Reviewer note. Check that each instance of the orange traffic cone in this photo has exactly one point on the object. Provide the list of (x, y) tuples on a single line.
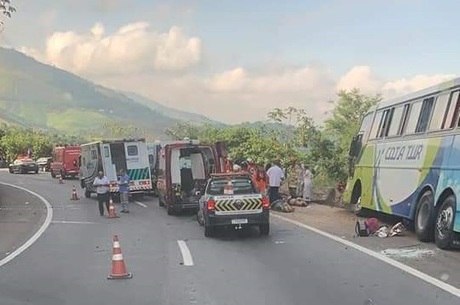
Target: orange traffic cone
[(112, 212), (74, 194), (118, 264)]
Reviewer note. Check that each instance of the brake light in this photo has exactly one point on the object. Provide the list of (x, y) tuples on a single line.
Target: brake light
[(265, 202), (211, 205)]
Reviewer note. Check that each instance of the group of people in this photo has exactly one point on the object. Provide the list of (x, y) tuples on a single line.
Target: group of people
[(102, 185), (268, 180)]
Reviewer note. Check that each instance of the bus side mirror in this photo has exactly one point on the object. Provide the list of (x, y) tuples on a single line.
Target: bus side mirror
[(355, 146)]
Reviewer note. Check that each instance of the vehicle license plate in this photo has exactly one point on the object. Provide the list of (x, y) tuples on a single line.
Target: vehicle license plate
[(239, 221)]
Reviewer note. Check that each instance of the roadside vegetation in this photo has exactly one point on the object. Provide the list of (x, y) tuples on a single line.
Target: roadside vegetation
[(290, 134)]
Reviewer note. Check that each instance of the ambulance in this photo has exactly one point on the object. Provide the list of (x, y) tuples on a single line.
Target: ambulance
[(183, 169), (112, 156)]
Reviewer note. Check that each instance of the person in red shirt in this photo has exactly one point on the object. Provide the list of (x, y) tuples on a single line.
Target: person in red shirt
[(260, 180)]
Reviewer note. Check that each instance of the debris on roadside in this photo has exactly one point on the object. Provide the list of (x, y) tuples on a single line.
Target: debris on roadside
[(372, 227), (282, 206), (396, 230), (408, 253), (300, 202)]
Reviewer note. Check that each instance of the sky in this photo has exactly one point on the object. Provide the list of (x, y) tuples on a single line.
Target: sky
[(235, 61)]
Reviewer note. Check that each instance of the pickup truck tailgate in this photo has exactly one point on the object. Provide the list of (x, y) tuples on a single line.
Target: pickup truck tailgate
[(238, 204)]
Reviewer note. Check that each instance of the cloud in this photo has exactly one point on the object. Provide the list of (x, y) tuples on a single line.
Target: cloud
[(132, 48), (406, 85), (368, 82), (240, 94), (360, 77), (136, 58), (228, 81)]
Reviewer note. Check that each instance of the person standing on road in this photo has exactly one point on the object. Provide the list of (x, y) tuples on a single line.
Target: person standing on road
[(123, 184), (102, 185), (307, 184), (275, 177)]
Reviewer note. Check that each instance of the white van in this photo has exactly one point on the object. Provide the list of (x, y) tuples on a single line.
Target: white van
[(112, 156)]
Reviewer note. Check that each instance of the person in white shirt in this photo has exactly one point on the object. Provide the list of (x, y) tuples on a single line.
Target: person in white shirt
[(102, 185), (307, 184), (275, 177)]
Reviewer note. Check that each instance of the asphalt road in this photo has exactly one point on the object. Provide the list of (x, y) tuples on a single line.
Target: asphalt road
[(69, 263)]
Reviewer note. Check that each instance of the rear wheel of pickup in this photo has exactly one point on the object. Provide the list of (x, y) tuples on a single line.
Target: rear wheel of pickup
[(170, 209), (208, 231), (53, 174), (264, 229)]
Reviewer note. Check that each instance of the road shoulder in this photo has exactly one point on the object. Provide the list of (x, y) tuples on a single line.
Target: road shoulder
[(22, 215), (424, 257)]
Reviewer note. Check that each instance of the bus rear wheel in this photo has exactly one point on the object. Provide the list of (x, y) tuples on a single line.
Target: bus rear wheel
[(444, 231), (425, 217)]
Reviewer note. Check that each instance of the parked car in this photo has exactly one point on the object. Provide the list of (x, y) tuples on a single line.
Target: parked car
[(44, 163), (23, 166)]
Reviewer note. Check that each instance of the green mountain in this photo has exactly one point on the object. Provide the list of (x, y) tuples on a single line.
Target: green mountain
[(33, 94)]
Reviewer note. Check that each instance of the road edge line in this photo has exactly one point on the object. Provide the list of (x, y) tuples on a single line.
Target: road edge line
[(412, 271), (38, 233), (141, 204), (186, 255)]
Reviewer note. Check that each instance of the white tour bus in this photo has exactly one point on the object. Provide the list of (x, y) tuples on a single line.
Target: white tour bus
[(405, 161)]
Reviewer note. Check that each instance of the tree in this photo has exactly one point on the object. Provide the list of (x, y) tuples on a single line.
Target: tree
[(6, 9), (347, 115), (184, 130), (17, 141)]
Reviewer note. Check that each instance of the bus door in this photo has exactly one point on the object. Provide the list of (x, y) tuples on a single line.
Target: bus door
[(353, 154)]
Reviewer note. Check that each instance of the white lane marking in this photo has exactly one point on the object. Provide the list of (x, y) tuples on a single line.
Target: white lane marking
[(73, 222), (40, 231), (186, 255), (414, 272), (141, 204)]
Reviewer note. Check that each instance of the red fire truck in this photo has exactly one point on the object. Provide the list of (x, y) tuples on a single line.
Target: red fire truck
[(65, 161)]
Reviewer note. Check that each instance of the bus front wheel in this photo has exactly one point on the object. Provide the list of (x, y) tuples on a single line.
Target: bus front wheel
[(444, 231), (425, 217)]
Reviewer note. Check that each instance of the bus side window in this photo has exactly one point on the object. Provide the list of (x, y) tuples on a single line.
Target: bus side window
[(396, 121), (455, 102), (404, 118), (376, 125), (386, 121), (449, 120), (413, 117), (439, 112), (425, 114)]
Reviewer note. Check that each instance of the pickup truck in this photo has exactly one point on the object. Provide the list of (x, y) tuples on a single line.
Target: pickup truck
[(231, 200)]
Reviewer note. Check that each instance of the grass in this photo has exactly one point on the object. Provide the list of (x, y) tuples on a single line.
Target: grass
[(75, 119)]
